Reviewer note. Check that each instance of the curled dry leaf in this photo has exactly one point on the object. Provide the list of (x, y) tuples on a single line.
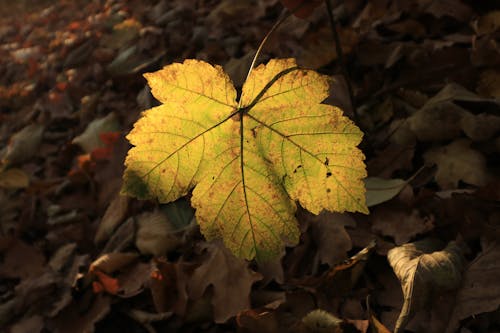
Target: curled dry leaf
[(423, 271), (155, 234)]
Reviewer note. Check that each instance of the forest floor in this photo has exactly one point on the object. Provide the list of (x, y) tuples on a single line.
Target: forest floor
[(76, 256)]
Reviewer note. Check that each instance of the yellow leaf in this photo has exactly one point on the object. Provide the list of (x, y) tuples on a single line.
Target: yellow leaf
[(248, 162)]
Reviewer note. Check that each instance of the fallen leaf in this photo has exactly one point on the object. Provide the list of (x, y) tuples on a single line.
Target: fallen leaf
[(89, 139), (422, 271), (249, 165), (330, 237), (23, 145), (60, 258), (400, 223), (480, 127), (111, 262), (444, 116), (34, 324), (21, 260), (301, 8), (84, 319), (114, 215), (488, 23), (479, 291), (105, 283), (458, 162), (133, 279), (155, 234), (320, 321), (489, 83), (379, 190), (13, 179), (231, 280)]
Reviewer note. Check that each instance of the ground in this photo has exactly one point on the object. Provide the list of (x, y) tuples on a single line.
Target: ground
[(77, 256)]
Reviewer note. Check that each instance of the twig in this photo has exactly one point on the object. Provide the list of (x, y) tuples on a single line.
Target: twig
[(284, 15), (340, 57)]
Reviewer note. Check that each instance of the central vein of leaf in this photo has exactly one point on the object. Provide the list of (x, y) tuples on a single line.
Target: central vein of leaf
[(242, 169)]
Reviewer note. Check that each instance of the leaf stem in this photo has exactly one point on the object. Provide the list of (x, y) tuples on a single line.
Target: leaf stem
[(340, 57), (283, 16)]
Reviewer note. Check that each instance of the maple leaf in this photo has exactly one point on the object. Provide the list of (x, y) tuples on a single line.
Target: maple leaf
[(249, 160)]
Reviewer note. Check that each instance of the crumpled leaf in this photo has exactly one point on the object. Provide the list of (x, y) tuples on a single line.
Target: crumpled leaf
[(380, 190), (230, 278), (422, 271), (250, 160)]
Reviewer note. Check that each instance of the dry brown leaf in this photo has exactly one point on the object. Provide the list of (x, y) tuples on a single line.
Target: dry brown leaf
[(133, 279), (111, 262), (21, 260), (480, 291), (422, 271), (452, 8), (391, 158), (13, 179), (32, 324), (437, 121), (23, 145), (488, 23), (330, 236), (90, 138), (73, 317), (480, 127), (458, 162), (61, 257), (114, 215), (400, 223), (231, 280), (489, 83)]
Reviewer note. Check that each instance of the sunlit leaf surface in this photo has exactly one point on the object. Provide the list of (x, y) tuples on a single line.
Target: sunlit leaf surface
[(248, 161)]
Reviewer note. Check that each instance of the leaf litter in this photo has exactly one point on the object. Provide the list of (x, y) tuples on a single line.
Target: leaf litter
[(425, 78)]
